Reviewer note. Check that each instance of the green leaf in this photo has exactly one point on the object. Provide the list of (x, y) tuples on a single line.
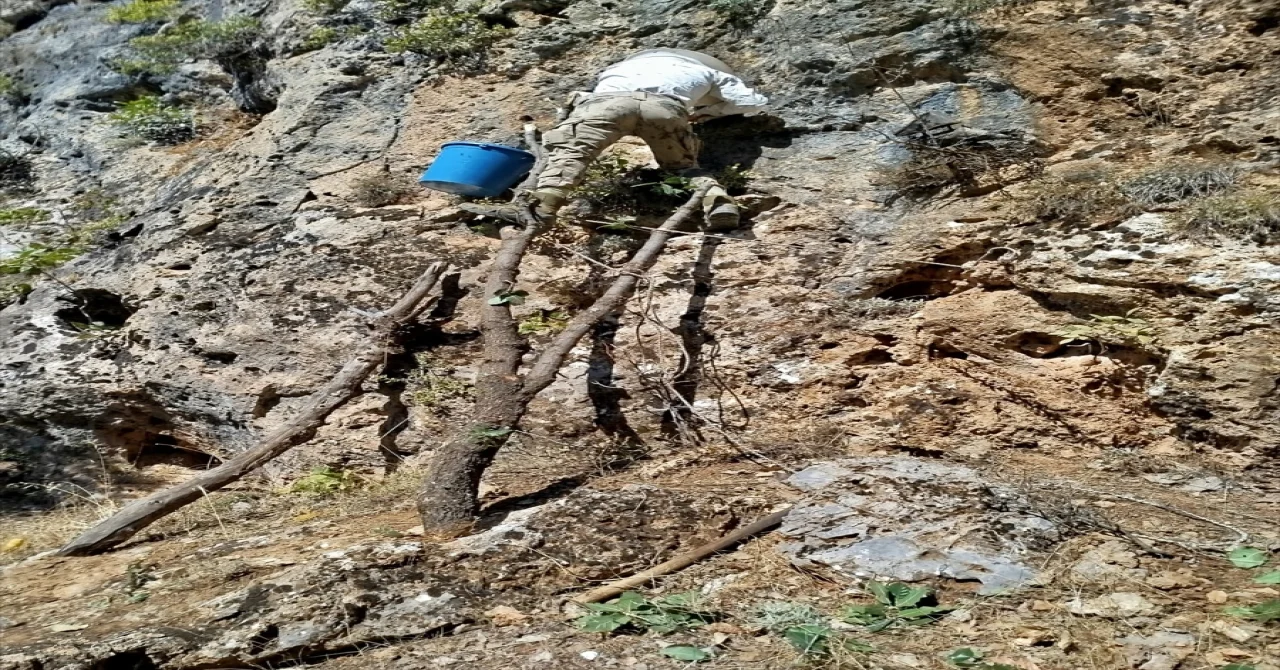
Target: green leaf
[(964, 657), (905, 595), (684, 600), (630, 601), (1272, 577), (881, 625), (682, 652), (601, 623), (1247, 557), (881, 591), (1267, 611), (809, 638), (928, 612), (864, 615), (493, 432), (1238, 666)]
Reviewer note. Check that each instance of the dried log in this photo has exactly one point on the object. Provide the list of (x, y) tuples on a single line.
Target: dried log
[(345, 385), (613, 589), (447, 501)]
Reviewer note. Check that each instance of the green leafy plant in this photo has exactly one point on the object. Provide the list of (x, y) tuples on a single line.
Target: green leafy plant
[(428, 389), (667, 614), (1238, 666), (1245, 216), (163, 52), (895, 603), (22, 216), (446, 36), (150, 119), (545, 321), (806, 630), (12, 293), (10, 89), (1248, 557), (325, 481), (972, 659), (1126, 330), (142, 11), (673, 186), (735, 179), (322, 36), (1265, 612), (37, 257)]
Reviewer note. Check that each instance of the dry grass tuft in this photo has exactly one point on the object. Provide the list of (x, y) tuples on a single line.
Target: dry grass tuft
[(382, 189), (1175, 183), (1075, 197), (1241, 216)]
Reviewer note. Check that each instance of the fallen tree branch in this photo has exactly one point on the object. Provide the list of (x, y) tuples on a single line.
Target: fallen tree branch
[(682, 561), (141, 513), (448, 500)]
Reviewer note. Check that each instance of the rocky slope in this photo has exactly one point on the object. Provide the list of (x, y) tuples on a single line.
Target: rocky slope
[(1016, 287)]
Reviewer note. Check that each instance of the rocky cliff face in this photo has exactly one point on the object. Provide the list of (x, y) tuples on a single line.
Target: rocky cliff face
[(1017, 234)]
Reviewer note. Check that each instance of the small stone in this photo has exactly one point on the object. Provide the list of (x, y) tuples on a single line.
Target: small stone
[(1114, 605), (543, 656), (590, 655), (1043, 606), (1216, 597), (1169, 580), (909, 660), (505, 616), (1033, 637), (1231, 632), (723, 627)]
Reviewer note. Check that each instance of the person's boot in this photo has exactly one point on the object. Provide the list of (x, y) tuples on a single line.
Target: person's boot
[(547, 201), (722, 217)]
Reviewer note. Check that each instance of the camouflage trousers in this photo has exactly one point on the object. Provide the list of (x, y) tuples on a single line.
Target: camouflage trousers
[(604, 118)]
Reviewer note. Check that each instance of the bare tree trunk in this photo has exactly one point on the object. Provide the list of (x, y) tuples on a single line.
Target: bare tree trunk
[(448, 500), (346, 384)]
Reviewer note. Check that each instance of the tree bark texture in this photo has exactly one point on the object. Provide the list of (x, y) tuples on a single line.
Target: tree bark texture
[(448, 500), (141, 513)]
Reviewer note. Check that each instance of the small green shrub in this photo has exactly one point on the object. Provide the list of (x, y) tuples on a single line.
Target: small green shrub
[(1244, 216), (971, 659), (326, 481), (22, 215), (11, 293), (1127, 330), (10, 89), (446, 36), (668, 614), (807, 630), (162, 52), (37, 257), (545, 321), (896, 603), (1174, 183), (320, 37), (142, 11), (150, 119), (740, 13)]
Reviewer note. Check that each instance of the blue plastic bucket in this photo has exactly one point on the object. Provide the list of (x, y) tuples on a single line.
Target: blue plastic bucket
[(477, 170)]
